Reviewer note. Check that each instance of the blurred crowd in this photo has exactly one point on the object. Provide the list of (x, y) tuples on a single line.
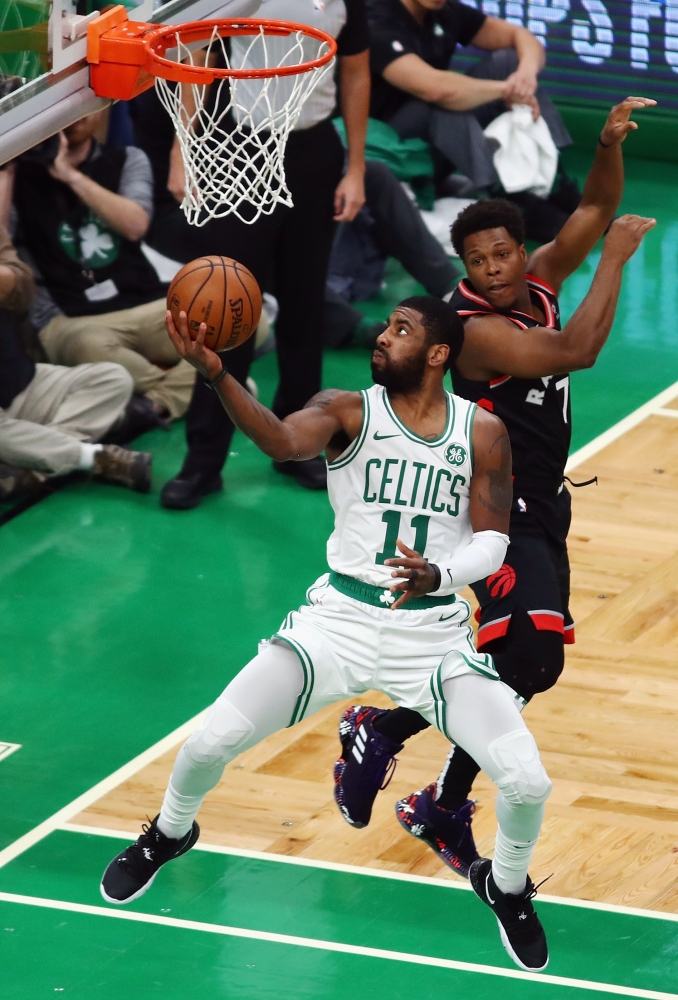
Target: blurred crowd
[(91, 232)]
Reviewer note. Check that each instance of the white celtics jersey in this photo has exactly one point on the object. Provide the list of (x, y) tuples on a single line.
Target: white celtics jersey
[(391, 484)]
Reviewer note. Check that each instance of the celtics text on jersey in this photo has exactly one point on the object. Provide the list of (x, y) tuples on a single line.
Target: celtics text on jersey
[(391, 484)]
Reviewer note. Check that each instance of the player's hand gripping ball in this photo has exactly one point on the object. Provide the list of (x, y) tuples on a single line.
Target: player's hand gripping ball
[(222, 294)]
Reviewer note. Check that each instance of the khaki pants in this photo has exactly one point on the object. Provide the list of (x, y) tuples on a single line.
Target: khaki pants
[(134, 338), (60, 407)]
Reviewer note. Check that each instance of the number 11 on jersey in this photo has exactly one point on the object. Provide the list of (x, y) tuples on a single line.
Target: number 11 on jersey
[(391, 518)]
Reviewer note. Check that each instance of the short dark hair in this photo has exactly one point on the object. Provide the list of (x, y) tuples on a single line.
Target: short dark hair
[(492, 214), (441, 322)]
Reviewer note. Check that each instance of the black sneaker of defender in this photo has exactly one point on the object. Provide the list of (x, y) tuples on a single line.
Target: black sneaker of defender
[(521, 931), (131, 873)]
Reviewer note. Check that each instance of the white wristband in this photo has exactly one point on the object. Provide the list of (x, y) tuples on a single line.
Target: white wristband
[(482, 557)]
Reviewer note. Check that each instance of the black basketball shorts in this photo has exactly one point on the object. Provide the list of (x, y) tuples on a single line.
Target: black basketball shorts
[(535, 574)]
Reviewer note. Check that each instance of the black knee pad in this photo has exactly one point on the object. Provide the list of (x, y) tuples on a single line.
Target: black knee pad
[(528, 659)]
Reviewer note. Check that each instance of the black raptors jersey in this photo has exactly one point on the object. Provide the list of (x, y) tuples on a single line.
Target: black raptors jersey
[(536, 411)]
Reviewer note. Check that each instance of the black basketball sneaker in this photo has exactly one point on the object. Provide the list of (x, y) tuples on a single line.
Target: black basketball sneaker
[(131, 873), (519, 926)]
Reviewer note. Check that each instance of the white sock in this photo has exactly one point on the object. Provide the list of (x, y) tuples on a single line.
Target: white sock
[(177, 813), (87, 453), (511, 861)]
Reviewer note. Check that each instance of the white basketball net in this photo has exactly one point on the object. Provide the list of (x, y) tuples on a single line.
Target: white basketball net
[(233, 143)]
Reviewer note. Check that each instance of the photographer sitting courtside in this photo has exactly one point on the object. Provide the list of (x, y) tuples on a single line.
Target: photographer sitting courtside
[(82, 211)]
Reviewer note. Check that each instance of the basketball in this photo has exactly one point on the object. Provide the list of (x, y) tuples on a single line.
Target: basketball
[(222, 294)]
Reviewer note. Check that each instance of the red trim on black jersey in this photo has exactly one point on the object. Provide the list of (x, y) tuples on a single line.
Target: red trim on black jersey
[(468, 294), (492, 630), (494, 382), (540, 287), (544, 285), (568, 635), (547, 621)]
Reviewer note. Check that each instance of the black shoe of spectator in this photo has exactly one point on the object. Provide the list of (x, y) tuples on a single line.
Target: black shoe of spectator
[(123, 467), (185, 492), (16, 482), (543, 219), (140, 416), (311, 473), (566, 194), (456, 186)]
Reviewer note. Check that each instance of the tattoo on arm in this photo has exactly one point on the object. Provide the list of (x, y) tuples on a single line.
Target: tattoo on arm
[(323, 398), (499, 479)]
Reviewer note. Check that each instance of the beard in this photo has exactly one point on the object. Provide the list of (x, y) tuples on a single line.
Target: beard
[(404, 378)]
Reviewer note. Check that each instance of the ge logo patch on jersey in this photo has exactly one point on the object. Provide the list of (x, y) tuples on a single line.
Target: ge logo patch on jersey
[(455, 455)]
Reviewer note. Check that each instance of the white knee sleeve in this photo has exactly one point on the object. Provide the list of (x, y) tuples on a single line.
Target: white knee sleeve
[(524, 780), (224, 730)]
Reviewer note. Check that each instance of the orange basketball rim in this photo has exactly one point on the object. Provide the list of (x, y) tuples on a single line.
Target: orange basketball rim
[(126, 56)]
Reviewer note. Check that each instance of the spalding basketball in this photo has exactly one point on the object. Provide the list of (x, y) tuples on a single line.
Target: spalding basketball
[(222, 294)]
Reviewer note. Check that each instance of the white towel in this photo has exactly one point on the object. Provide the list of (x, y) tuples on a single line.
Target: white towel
[(527, 158)]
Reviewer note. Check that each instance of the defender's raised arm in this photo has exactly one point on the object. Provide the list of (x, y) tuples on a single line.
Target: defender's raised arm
[(603, 191)]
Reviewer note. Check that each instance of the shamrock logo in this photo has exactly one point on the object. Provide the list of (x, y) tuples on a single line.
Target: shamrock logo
[(93, 245), (387, 597)]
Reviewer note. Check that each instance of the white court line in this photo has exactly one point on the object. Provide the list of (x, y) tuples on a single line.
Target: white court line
[(101, 788), (336, 866), (619, 429), (320, 945)]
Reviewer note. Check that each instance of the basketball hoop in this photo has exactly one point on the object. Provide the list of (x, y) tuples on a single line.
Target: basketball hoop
[(232, 119)]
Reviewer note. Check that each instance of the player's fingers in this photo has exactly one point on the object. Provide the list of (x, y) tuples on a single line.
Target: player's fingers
[(182, 326), (200, 339), (411, 553), (407, 596), (644, 102)]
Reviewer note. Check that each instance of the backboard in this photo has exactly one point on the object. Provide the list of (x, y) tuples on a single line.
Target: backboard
[(43, 47)]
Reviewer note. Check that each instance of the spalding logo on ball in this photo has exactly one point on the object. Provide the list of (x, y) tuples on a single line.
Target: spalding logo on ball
[(221, 293)]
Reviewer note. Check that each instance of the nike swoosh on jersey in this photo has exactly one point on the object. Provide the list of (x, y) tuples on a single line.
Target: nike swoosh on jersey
[(384, 437), (446, 618)]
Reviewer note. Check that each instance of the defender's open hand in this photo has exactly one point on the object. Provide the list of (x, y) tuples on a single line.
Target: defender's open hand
[(419, 577), (205, 361), (619, 124)]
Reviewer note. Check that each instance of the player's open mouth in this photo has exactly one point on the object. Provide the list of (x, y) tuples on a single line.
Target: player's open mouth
[(499, 287)]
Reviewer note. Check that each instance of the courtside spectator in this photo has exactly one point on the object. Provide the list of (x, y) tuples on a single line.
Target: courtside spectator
[(412, 43), (389, 225), (82, 211), (50, 416)]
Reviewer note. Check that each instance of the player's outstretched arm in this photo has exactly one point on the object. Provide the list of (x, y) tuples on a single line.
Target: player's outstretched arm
[(603, 190), (491, 496), (331, 417), (539, 352)]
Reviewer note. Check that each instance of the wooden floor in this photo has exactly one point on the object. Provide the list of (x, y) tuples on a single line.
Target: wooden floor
[(607, 732)]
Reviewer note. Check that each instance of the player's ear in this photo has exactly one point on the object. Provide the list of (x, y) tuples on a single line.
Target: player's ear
[(523, 253), (438, 355)]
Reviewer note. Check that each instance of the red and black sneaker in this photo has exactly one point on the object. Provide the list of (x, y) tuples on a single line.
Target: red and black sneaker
[(446, 832), (366, 764)]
